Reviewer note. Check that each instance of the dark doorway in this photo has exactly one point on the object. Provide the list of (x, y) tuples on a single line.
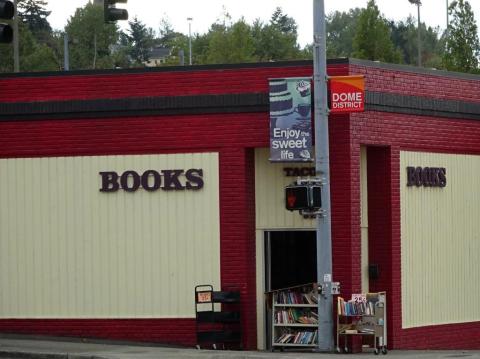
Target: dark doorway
[(291, 258)]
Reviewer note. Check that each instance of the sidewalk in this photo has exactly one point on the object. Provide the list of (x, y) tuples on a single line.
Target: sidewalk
[(63, 349)]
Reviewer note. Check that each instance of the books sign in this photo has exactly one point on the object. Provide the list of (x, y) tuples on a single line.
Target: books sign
[(347, 94), (290, 120)]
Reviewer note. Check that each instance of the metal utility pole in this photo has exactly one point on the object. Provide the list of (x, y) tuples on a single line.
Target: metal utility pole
[(181, 57), (190, 40), (419, 37), (446, 32), (66, 57), (322, 170), (418, 3), (16, 52)]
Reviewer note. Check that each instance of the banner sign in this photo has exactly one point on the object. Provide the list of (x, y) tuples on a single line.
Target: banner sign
[(290, 120), (347, 94)]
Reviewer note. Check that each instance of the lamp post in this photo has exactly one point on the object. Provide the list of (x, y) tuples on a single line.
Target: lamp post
[(418, 3), (446, 32), (16, 46), (190, 40)]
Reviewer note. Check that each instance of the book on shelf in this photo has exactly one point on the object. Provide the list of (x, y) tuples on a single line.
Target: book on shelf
[(295, 297), (295, 315), (300, 337), (355, 308)]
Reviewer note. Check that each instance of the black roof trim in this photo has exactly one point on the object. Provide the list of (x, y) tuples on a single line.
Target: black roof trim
[(169, 69), (352, 61), (422, 106), (223, 103), (137, 106)]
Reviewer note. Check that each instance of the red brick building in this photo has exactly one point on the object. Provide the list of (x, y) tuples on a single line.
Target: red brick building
[(73, 266)]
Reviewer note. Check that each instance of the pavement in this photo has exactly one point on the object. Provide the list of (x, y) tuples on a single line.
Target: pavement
[(61, 348)]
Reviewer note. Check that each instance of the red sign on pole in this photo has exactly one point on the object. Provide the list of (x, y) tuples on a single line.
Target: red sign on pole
[(347, 94)]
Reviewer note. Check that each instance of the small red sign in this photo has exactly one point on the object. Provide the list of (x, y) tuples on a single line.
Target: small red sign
[(347, 94), (204, 297)]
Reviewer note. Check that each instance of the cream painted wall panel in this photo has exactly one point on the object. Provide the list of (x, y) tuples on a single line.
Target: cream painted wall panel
[(364, 218), (270, 182), (440, 231), (70, 251)]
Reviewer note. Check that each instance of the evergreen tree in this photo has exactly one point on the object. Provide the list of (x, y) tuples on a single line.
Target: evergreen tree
[(372, 39), (405, 37), (463, 46), (34, 15), (173, 40), (141, 41), (167, 33)]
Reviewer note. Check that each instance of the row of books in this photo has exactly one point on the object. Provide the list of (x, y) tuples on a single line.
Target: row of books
[(290, 297), (297, 338), (355, 308), (292, 316)]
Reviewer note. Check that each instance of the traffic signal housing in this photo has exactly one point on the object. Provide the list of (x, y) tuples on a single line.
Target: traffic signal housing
[(6, 13), (111, 13), (303, 197)]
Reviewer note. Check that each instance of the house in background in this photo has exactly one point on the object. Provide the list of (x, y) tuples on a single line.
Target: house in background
[(158, 56)]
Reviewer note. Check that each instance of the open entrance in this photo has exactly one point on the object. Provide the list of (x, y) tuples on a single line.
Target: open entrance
[(290, 260)]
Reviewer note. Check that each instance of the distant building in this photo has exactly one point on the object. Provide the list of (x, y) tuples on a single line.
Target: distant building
[(158, 56)]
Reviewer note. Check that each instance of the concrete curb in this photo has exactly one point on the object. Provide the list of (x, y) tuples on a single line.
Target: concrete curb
[(32, 355), (18, 354)]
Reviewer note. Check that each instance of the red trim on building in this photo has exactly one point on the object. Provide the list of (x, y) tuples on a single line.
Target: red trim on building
[(167, 331)]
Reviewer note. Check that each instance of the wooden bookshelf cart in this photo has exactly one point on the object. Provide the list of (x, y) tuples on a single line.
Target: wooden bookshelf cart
[(295, 317), (363, 315), (219, 329)]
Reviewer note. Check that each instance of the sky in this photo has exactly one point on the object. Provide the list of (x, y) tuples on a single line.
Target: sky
[(205, 13)]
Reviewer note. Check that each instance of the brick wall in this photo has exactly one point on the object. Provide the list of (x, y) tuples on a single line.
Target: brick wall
[(395, 133), (235, 136), (428, 84)]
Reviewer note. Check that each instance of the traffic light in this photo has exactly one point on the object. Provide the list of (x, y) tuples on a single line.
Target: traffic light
[(303, 197), (111, 13), (6, 12), (296, 197)]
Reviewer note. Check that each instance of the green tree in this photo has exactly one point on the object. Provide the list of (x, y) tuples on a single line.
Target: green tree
[(92, 41), (341, 28), (404, 35), (33, 56), (34, 14), (167, 33), (463, 46), (372, 39), (230, 44), (140, 41), (276, 40)]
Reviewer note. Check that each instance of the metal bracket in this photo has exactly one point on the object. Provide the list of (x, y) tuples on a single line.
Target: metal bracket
[(313, 181), (312, 214)]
